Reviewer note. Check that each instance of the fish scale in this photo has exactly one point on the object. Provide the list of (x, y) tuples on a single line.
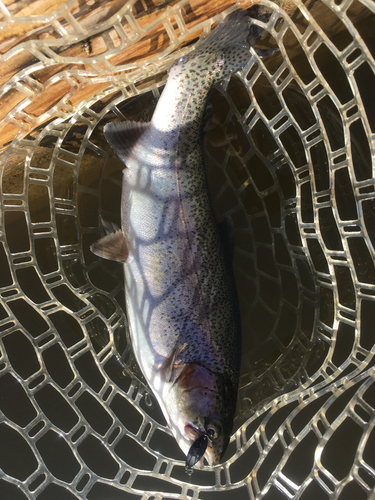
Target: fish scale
[(180, 292)]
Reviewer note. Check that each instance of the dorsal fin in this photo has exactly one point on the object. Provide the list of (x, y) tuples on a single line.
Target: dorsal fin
[(122, 136)]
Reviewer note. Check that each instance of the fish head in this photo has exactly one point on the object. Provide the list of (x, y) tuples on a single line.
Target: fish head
[(202, 403), (203, 416)]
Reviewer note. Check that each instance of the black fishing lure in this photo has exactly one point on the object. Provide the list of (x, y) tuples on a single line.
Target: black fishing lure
[(196, 452)]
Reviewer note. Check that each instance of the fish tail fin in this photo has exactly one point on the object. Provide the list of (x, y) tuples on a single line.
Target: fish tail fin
[(233, 38)]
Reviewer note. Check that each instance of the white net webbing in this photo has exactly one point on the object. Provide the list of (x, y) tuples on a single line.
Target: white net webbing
[(290, 157)]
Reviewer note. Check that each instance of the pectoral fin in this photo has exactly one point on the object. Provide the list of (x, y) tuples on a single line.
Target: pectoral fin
[(168, 365), (112, 247), (109, 226)]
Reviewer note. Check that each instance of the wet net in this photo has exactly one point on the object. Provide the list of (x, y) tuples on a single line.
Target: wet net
[(289, 158)]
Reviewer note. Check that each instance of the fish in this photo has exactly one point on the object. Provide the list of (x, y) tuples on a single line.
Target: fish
[(181, 297)]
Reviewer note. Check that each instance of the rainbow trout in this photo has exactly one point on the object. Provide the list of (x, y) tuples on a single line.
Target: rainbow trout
[(180, 292)]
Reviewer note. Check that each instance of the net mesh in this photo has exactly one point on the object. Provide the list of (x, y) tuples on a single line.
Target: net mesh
[(289, 158)]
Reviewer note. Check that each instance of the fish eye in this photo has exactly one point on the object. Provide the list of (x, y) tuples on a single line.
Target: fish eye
[(213, 431)]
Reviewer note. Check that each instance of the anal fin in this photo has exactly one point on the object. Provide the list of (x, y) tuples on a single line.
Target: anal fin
[(113, 246)]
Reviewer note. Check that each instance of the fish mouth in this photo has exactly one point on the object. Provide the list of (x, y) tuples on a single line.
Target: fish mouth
[(192, 433)]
